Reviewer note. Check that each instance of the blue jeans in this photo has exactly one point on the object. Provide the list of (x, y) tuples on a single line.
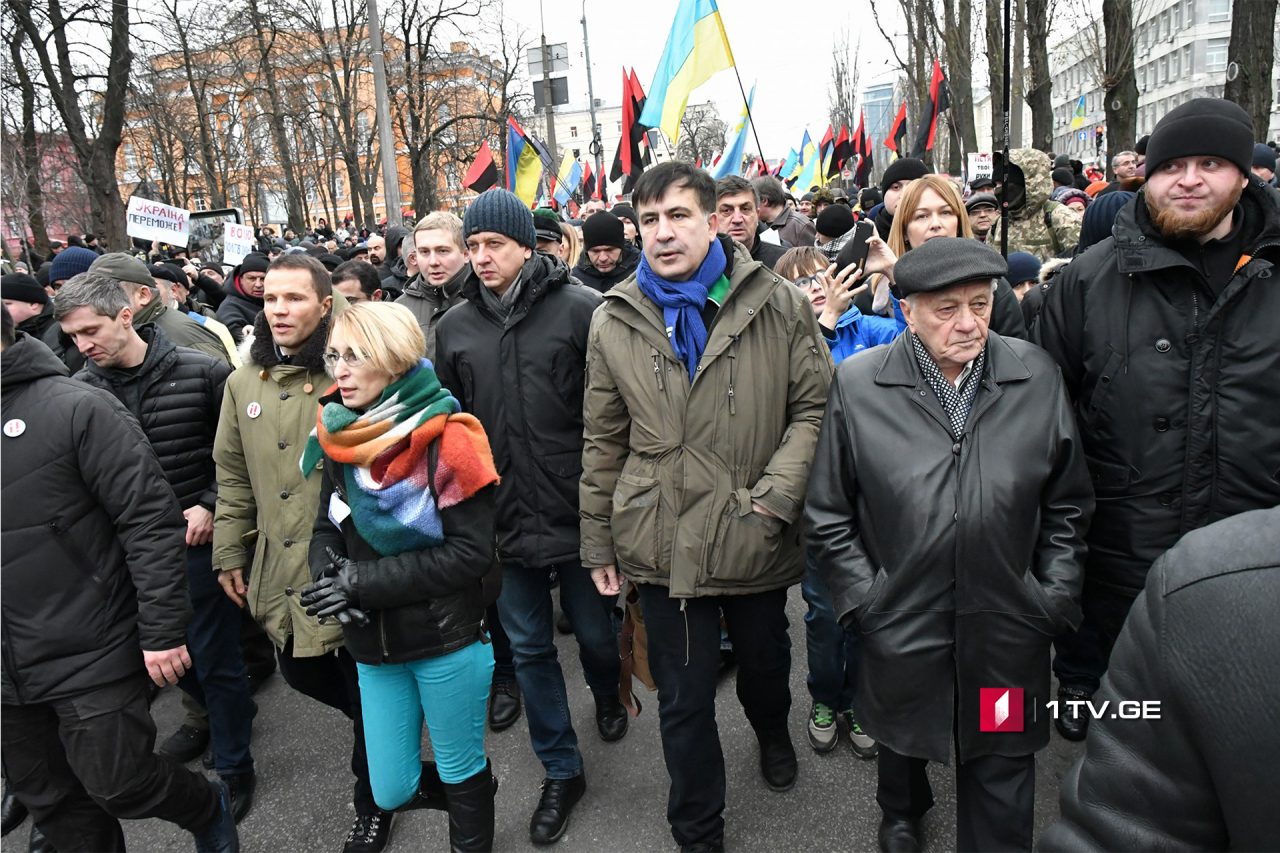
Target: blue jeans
[(451, 693), (219, 682), (528, 615), (833, 651)]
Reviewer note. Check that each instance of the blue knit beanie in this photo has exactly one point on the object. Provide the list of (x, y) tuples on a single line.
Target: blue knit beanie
[(70, 262), (500, 212), (1023, 266), (1099, 216)]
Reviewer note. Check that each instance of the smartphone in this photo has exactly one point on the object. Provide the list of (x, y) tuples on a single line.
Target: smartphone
[(855, 250)]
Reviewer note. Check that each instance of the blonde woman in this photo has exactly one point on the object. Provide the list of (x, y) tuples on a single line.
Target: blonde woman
[(403, 536), (571, 245)]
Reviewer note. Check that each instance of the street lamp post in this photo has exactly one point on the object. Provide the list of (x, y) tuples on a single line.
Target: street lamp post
[(390, 172)]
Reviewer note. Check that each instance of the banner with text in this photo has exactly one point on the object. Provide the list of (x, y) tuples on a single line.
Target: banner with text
[(151, 220), (980, 165), (237, 241)]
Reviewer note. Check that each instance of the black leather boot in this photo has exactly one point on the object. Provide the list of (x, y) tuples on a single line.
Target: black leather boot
[(12, 812), (471, 812), (431, 790)]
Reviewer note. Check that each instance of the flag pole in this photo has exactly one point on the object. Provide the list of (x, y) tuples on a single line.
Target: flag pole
[(1004, 164), (746, 103)]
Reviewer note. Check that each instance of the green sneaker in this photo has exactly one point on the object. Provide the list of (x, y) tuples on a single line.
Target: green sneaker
[(863, 745), (824, 734)]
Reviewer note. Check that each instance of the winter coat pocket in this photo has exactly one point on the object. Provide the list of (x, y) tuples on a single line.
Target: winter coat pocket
[(745, 540), (636, 522)]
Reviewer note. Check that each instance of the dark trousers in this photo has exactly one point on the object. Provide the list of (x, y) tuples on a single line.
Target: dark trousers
[(995, 797), (81, 763), (218, 682), (504, 664), (331, 679), (684, 656), (1081, 656), (259, 656)]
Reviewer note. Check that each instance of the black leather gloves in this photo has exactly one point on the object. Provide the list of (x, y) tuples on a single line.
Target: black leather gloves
[(335, 593)]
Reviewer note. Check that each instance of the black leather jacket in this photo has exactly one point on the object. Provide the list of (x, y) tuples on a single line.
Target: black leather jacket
[(421, 603)]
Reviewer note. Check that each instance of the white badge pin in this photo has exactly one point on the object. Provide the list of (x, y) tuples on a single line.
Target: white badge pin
[(253, 409), (15, 427)]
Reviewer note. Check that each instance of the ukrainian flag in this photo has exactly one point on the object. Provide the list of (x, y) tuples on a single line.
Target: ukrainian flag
[(1077, 120), (731, 161), (810, 173), (568, 178), (696, 49), (524, 166)]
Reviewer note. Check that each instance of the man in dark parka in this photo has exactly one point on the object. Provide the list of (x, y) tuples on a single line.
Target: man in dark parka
[(947, 510)]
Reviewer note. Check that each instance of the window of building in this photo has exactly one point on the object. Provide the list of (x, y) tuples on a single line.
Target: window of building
[(1164, 69), (362, 125), (1186, 61), (619, 127), (1175, 64), (1215, 54), (130, 157), (199, 201), (1218, 10), (573, 131)]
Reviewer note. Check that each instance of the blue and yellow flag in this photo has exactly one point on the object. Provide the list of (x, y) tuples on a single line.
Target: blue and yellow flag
[(731, 160), (1077, 120), (812, 170), (568, 178), (696, 49), (524, 165)]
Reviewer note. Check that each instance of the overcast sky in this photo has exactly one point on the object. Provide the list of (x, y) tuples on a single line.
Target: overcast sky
[(785, 49)]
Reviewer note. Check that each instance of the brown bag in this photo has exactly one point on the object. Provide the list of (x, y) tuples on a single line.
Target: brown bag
[(633, 650)]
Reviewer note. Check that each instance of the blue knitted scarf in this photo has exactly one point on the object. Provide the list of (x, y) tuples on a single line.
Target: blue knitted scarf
[(681, 303)]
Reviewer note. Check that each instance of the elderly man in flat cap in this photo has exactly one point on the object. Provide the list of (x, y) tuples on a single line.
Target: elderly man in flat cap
[(947, 510)]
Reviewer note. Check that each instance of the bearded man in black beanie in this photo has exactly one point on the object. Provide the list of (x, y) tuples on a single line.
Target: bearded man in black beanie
[(1165, 333)]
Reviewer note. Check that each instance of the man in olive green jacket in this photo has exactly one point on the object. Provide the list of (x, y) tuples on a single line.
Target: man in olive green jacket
[(266, 507), (707, 377)]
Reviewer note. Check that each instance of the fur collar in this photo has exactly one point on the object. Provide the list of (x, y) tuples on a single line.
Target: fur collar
[(260, 350)]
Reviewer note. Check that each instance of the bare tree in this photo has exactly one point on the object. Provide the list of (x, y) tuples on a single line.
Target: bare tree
[(955, 29), (94, 134), (265, 34), (28, 145), (1250, 55), (918, 14), (702, 134), (1039, 89), (842, 92), (995, 69), (1119, 83)]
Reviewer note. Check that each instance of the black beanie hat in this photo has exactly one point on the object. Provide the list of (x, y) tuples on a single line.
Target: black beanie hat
[(1064, 176), (500, 212), (1264, 156), (626, 210), (602, 229), (254, 262), (21, 287), (906, 169), (1202, 127), (834, 221)]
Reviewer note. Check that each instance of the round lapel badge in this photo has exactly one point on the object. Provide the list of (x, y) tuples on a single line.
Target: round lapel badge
[(253, 409), (15, 427)]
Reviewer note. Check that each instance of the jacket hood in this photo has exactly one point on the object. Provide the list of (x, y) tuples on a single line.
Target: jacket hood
[(627, 263), (541, 274), (395, 236), (1140, 242), (159, 351), (1037, 176), (28, 359)]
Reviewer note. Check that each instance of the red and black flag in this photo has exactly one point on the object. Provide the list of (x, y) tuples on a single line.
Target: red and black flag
[(840, 155), (629, 160), (862, 147), (939, 100), (898, 132), (483, 172), (825, 147), (589, 189)]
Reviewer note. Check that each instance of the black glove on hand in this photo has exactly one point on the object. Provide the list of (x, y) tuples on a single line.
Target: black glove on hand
[(335, 591)]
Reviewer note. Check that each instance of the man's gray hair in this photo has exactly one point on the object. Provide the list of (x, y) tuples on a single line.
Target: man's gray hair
[(770, 191), (93, 290), (1119, 154), (911, 297)]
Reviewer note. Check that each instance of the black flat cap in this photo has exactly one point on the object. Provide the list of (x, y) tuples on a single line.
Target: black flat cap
[(980, 199), (944, 262)]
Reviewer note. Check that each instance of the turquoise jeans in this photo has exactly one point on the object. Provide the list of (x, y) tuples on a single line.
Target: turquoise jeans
[(451, 693)]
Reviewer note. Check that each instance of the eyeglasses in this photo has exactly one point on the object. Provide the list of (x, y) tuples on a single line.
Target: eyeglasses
[(331, 359), (807, 281)]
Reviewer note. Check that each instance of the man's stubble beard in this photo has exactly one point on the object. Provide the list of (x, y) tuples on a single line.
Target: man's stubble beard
[(1181, 226)]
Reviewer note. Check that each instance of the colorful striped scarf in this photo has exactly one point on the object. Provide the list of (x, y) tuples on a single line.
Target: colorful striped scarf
[(383, 451)]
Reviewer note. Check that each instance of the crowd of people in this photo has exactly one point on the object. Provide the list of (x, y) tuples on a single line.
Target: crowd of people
[(376, 461)]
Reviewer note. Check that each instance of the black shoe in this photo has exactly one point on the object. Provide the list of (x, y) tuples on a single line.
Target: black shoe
[(369, 833), (563, 625), (777, 759), (219, 836), (611, 718), (703, 847), (551, 818), (898, 836), (471, 812), (38, 843), (504, 704), (1072, 722), (12, 813), (186, 744), (431, 790), (241, 787)]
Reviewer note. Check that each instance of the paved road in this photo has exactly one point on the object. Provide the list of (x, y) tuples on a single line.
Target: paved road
[(303, 802)]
